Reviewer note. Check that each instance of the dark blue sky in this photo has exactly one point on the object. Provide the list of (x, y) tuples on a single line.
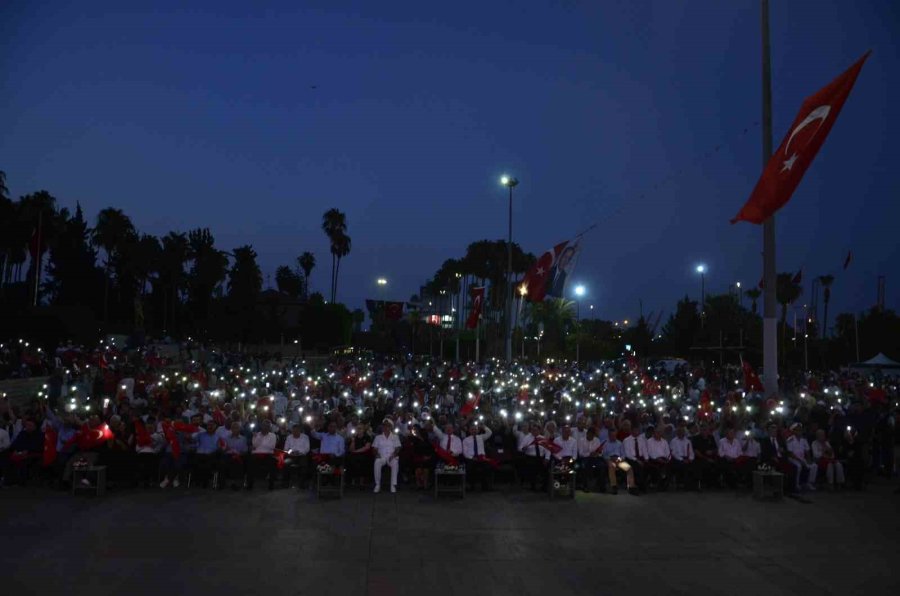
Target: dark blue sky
[(605, 111)]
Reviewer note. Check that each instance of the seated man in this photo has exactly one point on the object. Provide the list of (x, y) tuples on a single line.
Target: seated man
[(568, 445), (236, 454), (589, 461), (799, 455), (750, 458), (682, 463), (332, 444), (25, 453), (387, 451), (263, 458), (206, 458), (447, 440), (473, 452), (635, 448), (614, 455), (296, 458), (707, 453), (535, 458), (823, 455), (730, 453), (658, 457), (773, 453)]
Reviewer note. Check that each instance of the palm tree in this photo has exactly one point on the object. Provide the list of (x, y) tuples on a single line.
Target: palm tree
[(112, 231), (340, 248), (334, 224), (786, 292), (826, 281), (307, 262), (175, 253), (753, 294)]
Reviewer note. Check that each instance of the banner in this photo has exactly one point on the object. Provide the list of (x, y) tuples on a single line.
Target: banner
[(550, 275)]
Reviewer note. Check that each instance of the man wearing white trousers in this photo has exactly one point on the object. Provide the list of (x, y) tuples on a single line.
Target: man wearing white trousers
[(800, 455), (387, 452)]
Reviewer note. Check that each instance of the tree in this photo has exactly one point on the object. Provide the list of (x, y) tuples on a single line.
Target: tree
[(172, 279), (288, 281), (359, 318), (112, 231), (826, 281), (73, 276), (207, 272), (681, 329), (334, 224), (786, 292), (556, 316), (307, 262), (340, 248), (244, 286), (753, 294)]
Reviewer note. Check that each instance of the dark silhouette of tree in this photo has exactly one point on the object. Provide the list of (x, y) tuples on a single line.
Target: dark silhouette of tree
[(340, 248), (753, 294), (73, 275), (244, 286), (307, 262), (334, 224), (681, 329), (172, 280), (112, 231), (208, 268), (288, 281)]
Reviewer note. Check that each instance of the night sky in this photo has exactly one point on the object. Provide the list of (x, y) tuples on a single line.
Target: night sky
[(404, 115)]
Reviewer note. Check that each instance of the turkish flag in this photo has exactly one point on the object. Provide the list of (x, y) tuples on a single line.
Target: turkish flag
[(798, 277), (141, 435), (798, 149), (50, 438), (470, 405), (535, 280), (751, 379), (548, 445), (477, 301)]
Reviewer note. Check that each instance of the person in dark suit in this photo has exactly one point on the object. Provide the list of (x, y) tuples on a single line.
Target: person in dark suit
[(773, 451)]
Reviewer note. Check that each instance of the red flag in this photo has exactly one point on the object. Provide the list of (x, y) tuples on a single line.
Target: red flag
[(470, 405), (547, 277), (142, 437), (172, 439), (477, 300), (548, 445), (751, 379), (762, 282), (279, 458), (798, 149), (847, 260), (50, 437), (798, 277), (445, 455)]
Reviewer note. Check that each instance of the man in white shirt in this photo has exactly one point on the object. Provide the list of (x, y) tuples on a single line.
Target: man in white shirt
[(387, 452), (447, 440), (682, 464), (590, 463), (635, 455), (658, 456), (263, 454), (799, 455), (568, 445), (296, 457), (473, 452), (534, 460), (730, 453)]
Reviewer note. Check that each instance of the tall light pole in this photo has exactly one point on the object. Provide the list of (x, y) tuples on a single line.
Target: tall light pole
[(510, 183), (579, 294), (770, 323)]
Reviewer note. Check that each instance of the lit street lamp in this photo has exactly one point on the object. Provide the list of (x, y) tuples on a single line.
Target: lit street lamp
[(510, 183), (381, 281), (701, 269)]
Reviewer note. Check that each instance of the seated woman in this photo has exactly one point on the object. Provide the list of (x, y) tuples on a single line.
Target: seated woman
[(422, 456)]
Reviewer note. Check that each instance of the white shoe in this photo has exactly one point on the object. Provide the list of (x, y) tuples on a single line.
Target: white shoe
[(377, 489), (175, 483), (811, 487), (85, 482), (393, 488), (164, 483)]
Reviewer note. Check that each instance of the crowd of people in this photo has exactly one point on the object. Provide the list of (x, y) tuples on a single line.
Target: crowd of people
[(228, 421)]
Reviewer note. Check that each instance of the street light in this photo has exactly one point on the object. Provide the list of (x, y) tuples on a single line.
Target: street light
[(579, 293), (509, 183), (381, 281)]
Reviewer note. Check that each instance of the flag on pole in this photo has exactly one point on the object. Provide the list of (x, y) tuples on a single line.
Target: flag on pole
[(847, 260), (785, 169), (550, 275), (798, 277), (477, 302)]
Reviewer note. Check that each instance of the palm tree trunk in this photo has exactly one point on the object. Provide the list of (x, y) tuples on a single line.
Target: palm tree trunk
[(332, 276), (825, 319), (106, 297), (337, 271)]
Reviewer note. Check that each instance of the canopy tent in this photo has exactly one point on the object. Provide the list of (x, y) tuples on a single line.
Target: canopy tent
[(879, 362)]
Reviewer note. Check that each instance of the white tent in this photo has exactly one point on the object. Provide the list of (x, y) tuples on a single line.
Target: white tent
[(880, 362)]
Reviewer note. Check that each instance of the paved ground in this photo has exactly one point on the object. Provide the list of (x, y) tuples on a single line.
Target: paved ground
[(197, 542)]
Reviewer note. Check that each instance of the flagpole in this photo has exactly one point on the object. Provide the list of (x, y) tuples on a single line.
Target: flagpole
[(770, 322)]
